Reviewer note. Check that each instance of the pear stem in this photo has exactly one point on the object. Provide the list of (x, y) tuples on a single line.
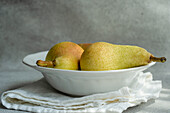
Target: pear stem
[(45, 63), (155, 59)]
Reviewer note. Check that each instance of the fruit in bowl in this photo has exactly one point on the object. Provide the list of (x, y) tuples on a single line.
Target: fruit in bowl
[(98, 56), (64, 55), (95, 70), (105, 56)]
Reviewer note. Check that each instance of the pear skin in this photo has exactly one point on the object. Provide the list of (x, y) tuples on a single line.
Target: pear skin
[(85, 45), (106, 56), (64, 55), (66, 62), (64, 48)]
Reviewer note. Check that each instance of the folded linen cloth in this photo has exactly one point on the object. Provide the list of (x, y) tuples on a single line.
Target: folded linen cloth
[(42, 98)]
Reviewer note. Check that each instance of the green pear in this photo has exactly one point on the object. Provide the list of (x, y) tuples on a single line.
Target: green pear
[(66, 62), (106, 56), (64, 55)]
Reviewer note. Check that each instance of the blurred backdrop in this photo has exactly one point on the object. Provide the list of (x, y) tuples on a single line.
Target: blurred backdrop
[(29, 26)]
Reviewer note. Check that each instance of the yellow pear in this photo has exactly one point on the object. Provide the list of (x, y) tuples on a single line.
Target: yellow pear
[(64, 55), (106, 56)]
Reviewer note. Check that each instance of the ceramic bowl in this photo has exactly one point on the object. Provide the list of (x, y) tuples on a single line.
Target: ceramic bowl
[(76, 82)]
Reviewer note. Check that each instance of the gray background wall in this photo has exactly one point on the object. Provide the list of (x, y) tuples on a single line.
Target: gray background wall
[(29, 26)]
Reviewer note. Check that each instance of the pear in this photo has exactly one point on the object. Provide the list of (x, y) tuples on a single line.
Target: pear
[(84, 45), (64, 55), (62, 62), (106, 56)]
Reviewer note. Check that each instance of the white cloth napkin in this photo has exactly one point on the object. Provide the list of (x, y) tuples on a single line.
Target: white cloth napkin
[(41, 97)]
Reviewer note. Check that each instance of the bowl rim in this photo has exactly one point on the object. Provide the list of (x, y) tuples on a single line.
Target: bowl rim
[(25, 61)]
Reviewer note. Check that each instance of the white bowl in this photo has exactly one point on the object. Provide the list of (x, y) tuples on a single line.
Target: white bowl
[(76, 82)]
